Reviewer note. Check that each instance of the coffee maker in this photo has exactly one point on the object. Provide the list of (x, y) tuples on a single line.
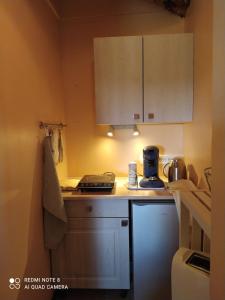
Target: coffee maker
[(151, 178)]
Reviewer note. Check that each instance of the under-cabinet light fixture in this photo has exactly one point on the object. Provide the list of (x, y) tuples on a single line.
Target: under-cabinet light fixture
[(136, 132), (111, 129)]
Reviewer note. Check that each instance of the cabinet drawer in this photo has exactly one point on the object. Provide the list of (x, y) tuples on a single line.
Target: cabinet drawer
[(99, 208)]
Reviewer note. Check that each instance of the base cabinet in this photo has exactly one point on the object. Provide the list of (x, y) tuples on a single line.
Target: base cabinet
[(94, 254)]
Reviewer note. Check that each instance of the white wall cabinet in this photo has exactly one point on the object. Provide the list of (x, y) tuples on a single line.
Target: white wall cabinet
[(144, 79), (168, 78), (95, 250), (118, 80)]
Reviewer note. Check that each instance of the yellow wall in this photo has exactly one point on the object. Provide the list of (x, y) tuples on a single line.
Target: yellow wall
[(218, 154), (89, 151), (198, 134), (206, 134), (30, 91)]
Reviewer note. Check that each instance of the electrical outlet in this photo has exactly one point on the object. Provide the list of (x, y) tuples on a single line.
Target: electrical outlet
[(165, 159)]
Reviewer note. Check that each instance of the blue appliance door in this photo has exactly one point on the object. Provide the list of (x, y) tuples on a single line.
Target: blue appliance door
[(155, 240)]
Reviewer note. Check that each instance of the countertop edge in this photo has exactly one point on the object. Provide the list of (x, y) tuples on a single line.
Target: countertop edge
[(117, 197)]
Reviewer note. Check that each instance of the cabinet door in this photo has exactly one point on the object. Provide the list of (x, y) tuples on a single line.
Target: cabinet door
[(168, 78), (118, 80), (94, 254)]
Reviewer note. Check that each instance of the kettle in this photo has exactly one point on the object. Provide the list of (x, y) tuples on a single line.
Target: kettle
[(177, 169)]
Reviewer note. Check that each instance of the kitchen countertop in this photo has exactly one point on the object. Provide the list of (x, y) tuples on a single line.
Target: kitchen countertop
[(120, 191)]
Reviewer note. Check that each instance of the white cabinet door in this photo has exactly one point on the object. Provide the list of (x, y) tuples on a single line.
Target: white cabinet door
[(168, 78), (94, 254), (118, 80)]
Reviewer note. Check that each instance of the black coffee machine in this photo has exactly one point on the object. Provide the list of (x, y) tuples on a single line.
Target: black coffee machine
[(150, 165)]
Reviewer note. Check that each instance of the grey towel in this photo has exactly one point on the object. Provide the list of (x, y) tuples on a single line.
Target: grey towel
[(55, 220), (56, 145), (60, 146)]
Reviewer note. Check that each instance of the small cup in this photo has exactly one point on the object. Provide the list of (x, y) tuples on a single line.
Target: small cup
[(132, 177)]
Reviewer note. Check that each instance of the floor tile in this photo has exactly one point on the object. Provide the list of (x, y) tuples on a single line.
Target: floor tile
[(76, 294)]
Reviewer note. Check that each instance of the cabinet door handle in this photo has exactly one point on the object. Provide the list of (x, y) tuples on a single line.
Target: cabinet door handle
[(89, 208), (136, 116), (124, 223), (151, 116)]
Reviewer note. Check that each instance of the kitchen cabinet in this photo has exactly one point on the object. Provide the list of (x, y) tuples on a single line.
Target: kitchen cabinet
[(118, 80), (168, 78), (95, 250), (145, 79)]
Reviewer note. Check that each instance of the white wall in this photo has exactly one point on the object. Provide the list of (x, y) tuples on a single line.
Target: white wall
[(30, 91), (89, 150), (198, 134), (218, 204)]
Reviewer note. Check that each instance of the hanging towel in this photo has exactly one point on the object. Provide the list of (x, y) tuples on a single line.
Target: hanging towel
[(60, 146), (57, 145), (55, 220)]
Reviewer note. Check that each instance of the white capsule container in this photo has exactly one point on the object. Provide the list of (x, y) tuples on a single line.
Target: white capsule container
[(132, 173)]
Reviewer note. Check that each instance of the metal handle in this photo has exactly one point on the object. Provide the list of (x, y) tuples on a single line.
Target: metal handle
[(89, 208), (151, 116), (152, 202), (136, 116), (124, 223)]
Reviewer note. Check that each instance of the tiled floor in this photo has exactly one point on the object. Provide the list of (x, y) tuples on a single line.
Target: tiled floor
[(74, 294)]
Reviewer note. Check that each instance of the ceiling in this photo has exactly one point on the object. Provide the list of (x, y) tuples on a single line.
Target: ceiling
[(90, 8), (67, 9)]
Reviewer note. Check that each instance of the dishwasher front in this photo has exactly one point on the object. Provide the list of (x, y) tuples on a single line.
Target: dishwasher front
[(155, 239)]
